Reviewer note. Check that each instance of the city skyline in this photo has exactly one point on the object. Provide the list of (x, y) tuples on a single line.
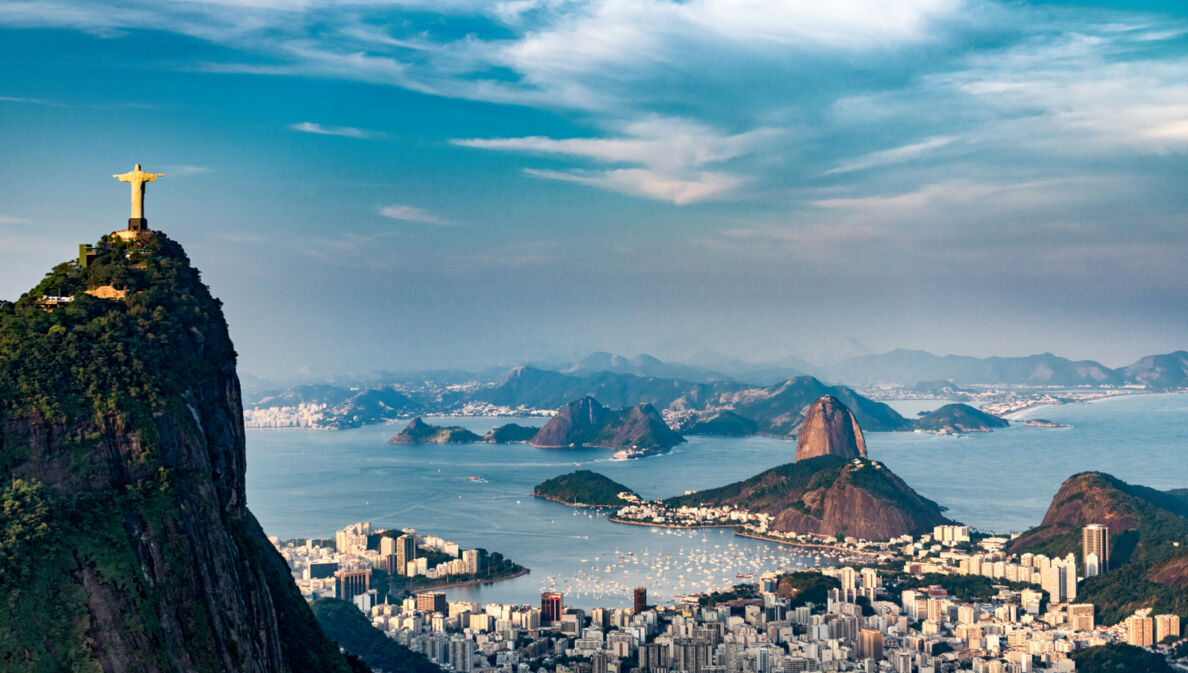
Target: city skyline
[(406, 186)]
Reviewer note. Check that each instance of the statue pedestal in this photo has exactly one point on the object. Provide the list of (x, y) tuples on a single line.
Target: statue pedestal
[(137, 224)]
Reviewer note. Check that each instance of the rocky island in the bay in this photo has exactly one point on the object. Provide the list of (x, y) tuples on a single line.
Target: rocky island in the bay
[(959, 418), (633, 432), (420, 432), (585, 488)]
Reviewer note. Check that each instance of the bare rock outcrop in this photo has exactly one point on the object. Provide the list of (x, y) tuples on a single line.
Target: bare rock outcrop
[(829, 429)]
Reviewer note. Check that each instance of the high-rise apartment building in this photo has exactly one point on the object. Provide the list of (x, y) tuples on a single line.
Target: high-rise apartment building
[(1095, 541), (432, 601), (1140, 631), (351, 583), (406, 552), (1166, 625), (470, 557), (551, 606), (353, 537), (870, 644), (1080, 616), (640, 602)]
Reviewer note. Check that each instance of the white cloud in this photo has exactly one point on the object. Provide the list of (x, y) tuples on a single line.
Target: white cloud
[(894, 155), (7, 219), (691, 188), (413, 214), (182, 170), (343, 131), (669, 157), (29, 101)]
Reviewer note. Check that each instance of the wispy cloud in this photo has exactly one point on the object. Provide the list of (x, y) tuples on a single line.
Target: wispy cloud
[(666, 158), (183, 170), (8, 219), (894, 155), (30, 101), (343, 131), (406, 213)]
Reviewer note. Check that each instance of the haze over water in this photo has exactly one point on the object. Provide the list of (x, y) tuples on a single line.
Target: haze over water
[(308, 484)]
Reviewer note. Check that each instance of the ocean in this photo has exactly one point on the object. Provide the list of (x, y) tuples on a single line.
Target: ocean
[(304, 483)]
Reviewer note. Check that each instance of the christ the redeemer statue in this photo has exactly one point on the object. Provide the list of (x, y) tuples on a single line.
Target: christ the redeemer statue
[(138, 177)]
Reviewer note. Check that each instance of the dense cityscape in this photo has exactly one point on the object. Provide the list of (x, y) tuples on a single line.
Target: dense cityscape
[(839, 618)]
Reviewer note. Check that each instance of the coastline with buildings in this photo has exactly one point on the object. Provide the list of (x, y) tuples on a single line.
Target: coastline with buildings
[(913, 612), (370, 564)]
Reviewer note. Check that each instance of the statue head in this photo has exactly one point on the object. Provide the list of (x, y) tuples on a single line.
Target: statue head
[(137, 166)]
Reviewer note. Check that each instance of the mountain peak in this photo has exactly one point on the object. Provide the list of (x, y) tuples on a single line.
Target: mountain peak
[(829, 429)]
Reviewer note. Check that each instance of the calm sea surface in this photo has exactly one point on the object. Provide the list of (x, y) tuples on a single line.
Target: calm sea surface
[(308, 484)]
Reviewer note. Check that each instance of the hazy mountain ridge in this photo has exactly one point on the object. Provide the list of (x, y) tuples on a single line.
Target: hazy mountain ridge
[(688, 394)]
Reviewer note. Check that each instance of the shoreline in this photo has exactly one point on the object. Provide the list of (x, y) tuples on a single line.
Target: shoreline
[(1017, 414), (466, 583), (840, 551), (578, 505), (670, 525)]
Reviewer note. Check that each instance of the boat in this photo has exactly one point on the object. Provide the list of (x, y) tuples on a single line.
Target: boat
[(476, 478)]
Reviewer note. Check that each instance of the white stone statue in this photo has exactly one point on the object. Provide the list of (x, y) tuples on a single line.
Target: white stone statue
[(138, 177)]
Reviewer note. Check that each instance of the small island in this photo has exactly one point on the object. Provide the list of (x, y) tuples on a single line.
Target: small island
[(1043, 423), (511, 433), (959, 418), (585, 488), (420, 432)]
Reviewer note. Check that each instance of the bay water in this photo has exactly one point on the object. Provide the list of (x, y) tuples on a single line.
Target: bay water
[(303, 483)]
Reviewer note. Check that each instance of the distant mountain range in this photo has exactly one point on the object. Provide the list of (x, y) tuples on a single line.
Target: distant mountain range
[(901, 367), (772, 396)]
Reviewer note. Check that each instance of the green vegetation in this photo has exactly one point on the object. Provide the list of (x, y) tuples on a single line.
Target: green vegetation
[(1119, 658), (584, 488), (343, 622), (511, 432), (1147, 569), (959, 418), (965, 588), (722, 424), (802, 588), (420, 432), (117, 362), (101, 403), (717, 597), (1119, 592), (807, 485)]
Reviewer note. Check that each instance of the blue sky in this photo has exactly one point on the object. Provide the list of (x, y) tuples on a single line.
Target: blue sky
[(405, 184)]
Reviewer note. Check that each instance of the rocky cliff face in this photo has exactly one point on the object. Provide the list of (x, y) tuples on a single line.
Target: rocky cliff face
[(588, 423), (123, 448), (829, 429), (829, 495)]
